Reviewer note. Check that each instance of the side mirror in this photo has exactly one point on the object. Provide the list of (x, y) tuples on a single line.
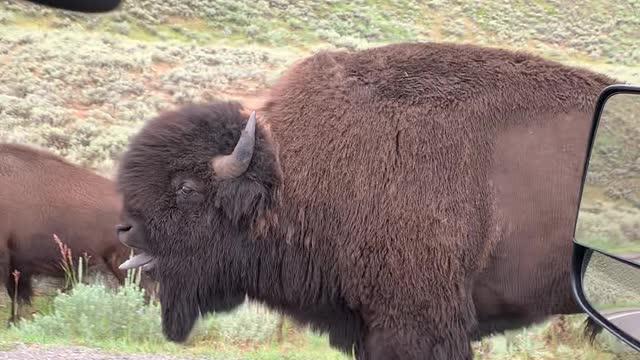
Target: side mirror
[(606, 257), (86, 6)]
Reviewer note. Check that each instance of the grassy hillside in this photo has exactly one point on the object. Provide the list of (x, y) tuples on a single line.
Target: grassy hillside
[(80, 85), (569, 27), (611, 199)]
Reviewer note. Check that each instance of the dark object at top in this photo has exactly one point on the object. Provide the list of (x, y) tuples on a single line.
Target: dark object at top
[(87, 6)]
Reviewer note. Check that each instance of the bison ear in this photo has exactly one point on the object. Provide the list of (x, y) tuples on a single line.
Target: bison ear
[(244, 200)]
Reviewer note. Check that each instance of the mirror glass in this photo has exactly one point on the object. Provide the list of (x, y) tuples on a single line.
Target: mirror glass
[(612, 288), (609, 217)]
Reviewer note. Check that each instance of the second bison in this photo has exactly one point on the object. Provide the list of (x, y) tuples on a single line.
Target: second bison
[(42, 195), (405, 199)]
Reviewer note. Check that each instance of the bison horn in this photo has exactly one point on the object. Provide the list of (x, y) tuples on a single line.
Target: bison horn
[(236, 163)]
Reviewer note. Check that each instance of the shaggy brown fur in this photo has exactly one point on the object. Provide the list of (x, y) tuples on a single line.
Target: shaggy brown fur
[(41, 195), (405, 199)]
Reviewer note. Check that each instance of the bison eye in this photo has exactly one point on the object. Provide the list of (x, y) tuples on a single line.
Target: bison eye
[(186, 190), (189, 193)]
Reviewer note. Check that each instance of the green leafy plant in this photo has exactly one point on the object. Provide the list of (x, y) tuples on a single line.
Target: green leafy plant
[(73, 275)]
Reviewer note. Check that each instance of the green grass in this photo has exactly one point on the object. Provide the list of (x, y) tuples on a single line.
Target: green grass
[(90, 314), (609, 284), (41, 305), (93, 315), (118, 321)]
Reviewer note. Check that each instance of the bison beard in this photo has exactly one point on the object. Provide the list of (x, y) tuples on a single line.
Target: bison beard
[(404, 199)]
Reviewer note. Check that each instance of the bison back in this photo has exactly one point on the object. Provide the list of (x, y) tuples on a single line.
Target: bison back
[(392, 155)]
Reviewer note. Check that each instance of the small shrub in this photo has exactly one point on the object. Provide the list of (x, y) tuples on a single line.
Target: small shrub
[(122, 28), (7, 18), (61, 23), (250, 323), (93, 313)]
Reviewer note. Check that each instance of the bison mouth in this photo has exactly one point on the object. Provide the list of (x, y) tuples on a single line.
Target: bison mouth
[(144, 260)]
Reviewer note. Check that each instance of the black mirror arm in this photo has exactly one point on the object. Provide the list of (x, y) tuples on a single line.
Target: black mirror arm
[(85, 6)]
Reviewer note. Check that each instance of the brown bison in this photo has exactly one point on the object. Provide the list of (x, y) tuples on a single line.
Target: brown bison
[(41, 195), (406, 199)]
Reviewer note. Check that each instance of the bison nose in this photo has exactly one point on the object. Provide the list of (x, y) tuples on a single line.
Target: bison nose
[(122, 228)]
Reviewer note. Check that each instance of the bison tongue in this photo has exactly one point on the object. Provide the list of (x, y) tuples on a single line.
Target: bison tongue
[(150, 265), (136, 261)]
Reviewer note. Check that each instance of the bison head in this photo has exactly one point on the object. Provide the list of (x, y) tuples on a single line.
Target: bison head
[(194, 182)]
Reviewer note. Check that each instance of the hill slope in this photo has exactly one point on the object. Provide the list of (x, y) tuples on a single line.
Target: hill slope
[(82, 84), (152, 55)]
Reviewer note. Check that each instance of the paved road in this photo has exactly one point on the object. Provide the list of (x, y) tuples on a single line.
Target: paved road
[(40, 352), (627, 320), (633, 257)]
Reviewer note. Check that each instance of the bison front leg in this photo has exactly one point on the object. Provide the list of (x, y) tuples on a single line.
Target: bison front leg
[(20, 290), (407, 344), (5, 271), (418, 334)]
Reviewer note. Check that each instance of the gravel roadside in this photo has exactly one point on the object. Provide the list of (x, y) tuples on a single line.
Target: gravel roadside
[(59, 352)]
